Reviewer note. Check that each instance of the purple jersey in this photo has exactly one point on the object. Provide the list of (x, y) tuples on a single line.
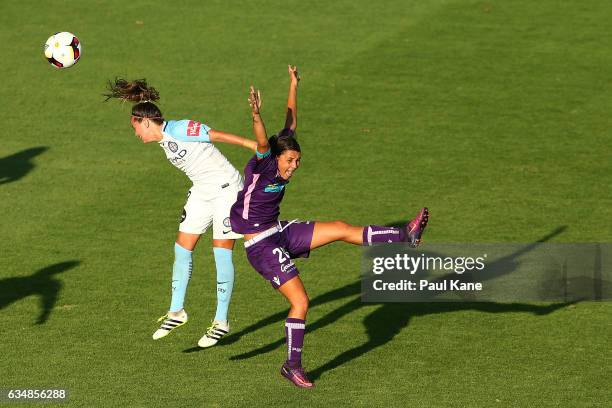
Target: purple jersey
[(258, 205)]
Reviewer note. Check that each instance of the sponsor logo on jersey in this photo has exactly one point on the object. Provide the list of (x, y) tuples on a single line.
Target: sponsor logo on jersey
[(274, 188), (173, 147), (179, 158), (193, 128), (286, 268)]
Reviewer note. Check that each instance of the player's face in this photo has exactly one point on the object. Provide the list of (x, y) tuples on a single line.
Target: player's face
[(288, 162), (142, 129)]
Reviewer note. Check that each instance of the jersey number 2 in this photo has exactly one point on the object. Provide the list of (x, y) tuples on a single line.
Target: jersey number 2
[(282, 254)]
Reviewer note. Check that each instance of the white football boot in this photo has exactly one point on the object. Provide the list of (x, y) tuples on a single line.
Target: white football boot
[(214, 333), (170, 323)]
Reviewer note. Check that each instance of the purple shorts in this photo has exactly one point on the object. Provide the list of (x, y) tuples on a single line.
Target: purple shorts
[(272, 256)]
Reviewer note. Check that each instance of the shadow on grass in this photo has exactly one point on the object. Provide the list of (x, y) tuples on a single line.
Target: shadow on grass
[(385, 322), (18, 165), (42, 283), (340, 293)]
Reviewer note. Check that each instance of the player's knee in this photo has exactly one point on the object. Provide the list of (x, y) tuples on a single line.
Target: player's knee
[(342, 227), (300, 304)]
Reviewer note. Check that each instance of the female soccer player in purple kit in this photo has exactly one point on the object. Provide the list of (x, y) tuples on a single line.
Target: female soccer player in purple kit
[(272, 244)]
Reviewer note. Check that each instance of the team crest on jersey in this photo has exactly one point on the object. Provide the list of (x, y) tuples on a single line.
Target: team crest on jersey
[(226, 222), (184, 214), (274, 188), (193, 128), (173, 147)]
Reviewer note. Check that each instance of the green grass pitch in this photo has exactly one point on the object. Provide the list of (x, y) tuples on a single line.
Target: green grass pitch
[(495, 114)]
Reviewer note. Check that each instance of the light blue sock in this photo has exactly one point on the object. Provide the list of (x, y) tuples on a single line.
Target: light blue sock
[(225, 281), (181, 273)]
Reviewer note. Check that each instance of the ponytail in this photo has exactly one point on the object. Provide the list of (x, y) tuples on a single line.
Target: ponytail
[(141, 94)]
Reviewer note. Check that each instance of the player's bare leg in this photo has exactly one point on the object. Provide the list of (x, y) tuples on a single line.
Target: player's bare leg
[(224, 243), (327, 232), (187, 241), (296, 294)]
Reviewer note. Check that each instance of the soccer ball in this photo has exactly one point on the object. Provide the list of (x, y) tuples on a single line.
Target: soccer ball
[(63, 50)]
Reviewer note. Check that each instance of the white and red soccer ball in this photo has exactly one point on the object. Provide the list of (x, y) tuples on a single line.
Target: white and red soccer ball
[(63, 50)]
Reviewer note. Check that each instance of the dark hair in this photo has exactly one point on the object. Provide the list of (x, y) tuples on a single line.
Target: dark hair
[(279, 144), (139, 92)]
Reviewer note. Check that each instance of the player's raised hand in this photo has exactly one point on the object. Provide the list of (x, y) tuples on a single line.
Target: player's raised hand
[(293, 73), (254, 100)]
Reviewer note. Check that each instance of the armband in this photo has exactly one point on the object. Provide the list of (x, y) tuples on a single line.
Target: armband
[(262, 155)]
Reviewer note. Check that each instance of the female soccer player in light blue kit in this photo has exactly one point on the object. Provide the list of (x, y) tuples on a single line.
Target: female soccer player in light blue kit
[(188, 146)]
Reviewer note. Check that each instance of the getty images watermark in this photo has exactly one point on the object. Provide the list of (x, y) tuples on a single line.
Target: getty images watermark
[(487, 272)]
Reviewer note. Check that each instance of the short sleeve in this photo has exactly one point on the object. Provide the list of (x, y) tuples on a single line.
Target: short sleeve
[(267, 164), (188, 130)]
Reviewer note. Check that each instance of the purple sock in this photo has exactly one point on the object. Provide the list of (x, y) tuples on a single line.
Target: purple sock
[(294, 331), (373, 234)]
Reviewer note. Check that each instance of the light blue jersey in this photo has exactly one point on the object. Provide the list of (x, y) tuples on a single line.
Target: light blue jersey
[(187, 130), (187, 146)]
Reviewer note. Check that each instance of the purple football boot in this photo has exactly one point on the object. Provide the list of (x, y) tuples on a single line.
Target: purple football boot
[(297, 376), (414, 229)]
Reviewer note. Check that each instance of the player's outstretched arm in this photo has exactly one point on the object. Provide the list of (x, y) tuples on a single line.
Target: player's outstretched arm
[(291, 115), (222, 137), (258, 125)]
